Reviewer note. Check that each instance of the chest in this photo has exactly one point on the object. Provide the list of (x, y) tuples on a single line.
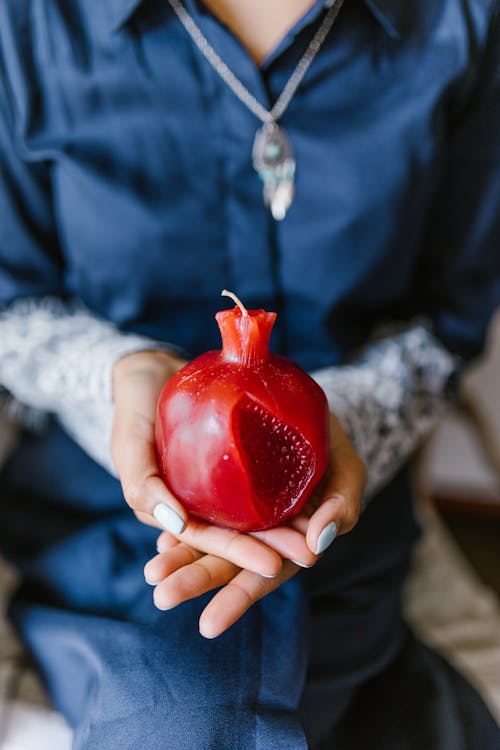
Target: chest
[(159, 207), (259, 25)]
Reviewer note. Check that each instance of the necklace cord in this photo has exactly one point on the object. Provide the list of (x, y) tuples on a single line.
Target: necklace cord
[(272, 153), (227, 75)]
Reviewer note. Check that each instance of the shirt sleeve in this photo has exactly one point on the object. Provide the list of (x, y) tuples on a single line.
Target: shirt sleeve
[(457, 283), (391, 397), (55, 356), (388, 399), (58, 357), (31, 262)]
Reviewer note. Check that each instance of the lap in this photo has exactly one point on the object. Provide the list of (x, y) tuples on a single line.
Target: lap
[(116, 664)]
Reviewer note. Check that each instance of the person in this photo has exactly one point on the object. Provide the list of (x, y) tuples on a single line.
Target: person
[(339, 165)]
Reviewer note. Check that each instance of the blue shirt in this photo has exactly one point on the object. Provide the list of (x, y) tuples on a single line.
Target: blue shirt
[(126, 175)]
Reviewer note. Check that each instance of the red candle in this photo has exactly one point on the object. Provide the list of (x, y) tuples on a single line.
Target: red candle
[(241, 433)]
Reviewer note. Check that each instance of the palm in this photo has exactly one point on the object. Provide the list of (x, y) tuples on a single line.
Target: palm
[(185, 573), (199, 557), (180, 572)]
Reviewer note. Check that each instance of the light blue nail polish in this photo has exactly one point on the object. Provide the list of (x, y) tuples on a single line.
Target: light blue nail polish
[(169, 519), (326, 537)]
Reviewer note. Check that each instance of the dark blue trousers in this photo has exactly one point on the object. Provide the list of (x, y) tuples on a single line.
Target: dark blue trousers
[(286, 677)]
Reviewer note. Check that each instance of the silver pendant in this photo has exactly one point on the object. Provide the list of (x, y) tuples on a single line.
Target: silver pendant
[(274, 162)]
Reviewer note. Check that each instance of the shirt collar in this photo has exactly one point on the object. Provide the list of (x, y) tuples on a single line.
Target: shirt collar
[(120, 11), (391, 14)]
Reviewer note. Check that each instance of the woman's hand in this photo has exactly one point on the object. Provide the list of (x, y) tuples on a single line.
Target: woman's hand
[(137, 383), (180, 572), (201, 557)]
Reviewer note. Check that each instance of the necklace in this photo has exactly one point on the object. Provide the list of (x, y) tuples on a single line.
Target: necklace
[(272, 153)]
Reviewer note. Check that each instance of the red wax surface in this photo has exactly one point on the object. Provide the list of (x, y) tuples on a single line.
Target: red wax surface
[(242, 434)]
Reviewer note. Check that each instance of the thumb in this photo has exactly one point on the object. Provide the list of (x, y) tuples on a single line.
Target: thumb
[(134, 452), (339, 507)]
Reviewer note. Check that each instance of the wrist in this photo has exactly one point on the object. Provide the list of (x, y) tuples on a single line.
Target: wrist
[(156, 362)]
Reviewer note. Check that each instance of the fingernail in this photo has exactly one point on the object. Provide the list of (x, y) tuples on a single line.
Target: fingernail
[(264, 575), (207, 634), (300, 564), (162, 607), (326, 537), (151, 583), (169, 519)]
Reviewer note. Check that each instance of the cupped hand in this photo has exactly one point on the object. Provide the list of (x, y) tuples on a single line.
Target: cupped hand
[(201, 557), (137, 382), (181, 571)]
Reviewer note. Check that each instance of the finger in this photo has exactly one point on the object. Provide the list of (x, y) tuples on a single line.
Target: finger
[(163, 565), (339, 511), (135, 458), (289, 543), (324, 525), (300, 523), (166, 541), (240, 549), (145, 492), (146, 519), (232, 601), (193, 580), (347, 474)]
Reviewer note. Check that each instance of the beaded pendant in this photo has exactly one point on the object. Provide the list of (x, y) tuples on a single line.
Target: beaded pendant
[(274, 162)]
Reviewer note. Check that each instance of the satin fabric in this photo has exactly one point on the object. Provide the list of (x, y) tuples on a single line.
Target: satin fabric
[(126, 182), (126, 177)]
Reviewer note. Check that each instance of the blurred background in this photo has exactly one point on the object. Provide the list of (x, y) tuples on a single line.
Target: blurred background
[(452, 597), (460, 465)]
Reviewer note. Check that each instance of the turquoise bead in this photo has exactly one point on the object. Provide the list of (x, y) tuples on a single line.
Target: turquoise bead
[(272, 150)]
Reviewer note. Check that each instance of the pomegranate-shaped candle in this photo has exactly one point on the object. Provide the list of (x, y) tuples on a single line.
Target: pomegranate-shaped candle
[(242, 434)]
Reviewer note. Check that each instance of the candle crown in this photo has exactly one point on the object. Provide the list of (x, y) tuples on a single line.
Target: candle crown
[(245, 335)]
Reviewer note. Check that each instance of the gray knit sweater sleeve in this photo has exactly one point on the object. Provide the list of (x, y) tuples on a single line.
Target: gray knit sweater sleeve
[(391, 397), (58, 358)]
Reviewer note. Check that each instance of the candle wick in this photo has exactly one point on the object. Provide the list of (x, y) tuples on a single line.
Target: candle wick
[(236, 300)]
